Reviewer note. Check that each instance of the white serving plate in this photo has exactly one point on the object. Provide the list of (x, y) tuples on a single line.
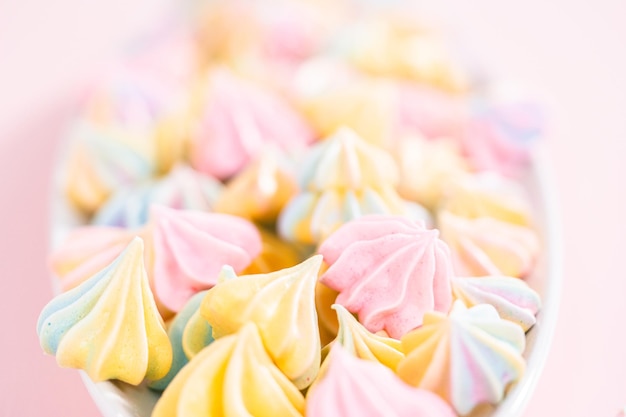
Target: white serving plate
[(117, 399)]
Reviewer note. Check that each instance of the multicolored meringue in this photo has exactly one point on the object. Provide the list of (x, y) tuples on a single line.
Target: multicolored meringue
[(471, 348), (175, 332), (109, 325), (182, 188), (389, 270), (354, 387), (488, 246), (275, 254), (260, 191), (428, 168), (282, 305), (234, 376), (190, 249), (343, 178), (512, 298), (237, 122), (488, 194)]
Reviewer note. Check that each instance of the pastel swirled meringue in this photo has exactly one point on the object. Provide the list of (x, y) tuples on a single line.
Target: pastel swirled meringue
[(342, 178), (233, 376), (389, 270), (237, 120), (282, 305), (469, 348), (488, 194), (488, 246), (109, 325), (190, 249), (275, 254), (182, 188), (260, 191), (512, 298), (355, 387), (175, 332)]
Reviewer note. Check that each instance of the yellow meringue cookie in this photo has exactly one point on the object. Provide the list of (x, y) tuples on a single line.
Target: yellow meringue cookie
[(260, 191), (428, 168), (324, 299), (109, 325), (366, 345), (489, 194), (282, 304), (275, 254), (232, 377)]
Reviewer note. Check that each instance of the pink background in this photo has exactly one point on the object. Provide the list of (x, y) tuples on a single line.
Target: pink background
[(571, 54)]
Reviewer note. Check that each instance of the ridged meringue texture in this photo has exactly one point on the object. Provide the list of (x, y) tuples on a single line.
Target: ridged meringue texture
[(355, 387), (343, 178), (488, 246), (175, 332), (86, 251), (261, 190), (363, 344), (240, 118), (182, 188), (428, 168), (468, 358), (232, 377), (512, 298), (99, 162), (489, 194), (109, 326), (282, 305), (389, 270), (191, 247)]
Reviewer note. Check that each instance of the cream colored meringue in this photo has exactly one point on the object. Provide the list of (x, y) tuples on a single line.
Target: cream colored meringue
[(109, 325), (389, 270), (471, 348), (282, 305)]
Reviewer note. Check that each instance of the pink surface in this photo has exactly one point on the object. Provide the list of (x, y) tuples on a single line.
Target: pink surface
[(570, 53)]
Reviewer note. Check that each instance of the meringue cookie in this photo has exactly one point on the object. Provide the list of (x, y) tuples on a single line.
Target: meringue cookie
[(428, 168), (275, 254), (512, 298), (356, 387), (470, 348), (182, 188), (109, 325), (389, 270), (234, 376), (175, 333), (488, 246), (191, 247), (238, 120), (282, 304), (361, 343), (260, 191), (489, 194)]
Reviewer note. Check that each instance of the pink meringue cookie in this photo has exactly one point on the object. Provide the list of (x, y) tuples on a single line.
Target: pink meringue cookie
[(190, 249), (488, 246), (239, 118), (356, 387), (389, 270), (85, 251)]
